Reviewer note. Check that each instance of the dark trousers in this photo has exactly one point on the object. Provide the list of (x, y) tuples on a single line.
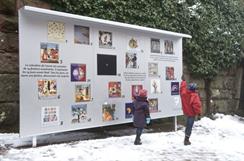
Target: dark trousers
[(189, 124), (138, 132)]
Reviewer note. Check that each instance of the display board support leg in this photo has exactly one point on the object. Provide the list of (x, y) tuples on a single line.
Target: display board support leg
[(34, 141), (175, 123)]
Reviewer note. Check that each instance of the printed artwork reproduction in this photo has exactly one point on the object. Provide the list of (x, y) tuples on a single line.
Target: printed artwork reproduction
[(168, 47), (114, 89), (47, 89), (175, 88), (155, 45), (152, 69), (82, 35), (78, 72), (55, 31), (129, 110), (106, 64), (153, 105), (170, 73), (155, 86), (131, 60), (133, 43), (79, 113), (82, 92), (108, 112), (135, 90), (105, 39), (50, 116), (49, 53)]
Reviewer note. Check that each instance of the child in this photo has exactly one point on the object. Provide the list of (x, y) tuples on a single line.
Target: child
[(191, 106), (140, 112)]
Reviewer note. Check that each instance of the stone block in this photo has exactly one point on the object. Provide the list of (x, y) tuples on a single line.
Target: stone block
[(13, 42), (233, 105), (219, 106), (9, 42), (222, 83), (221, 94), (228, 106), (3, 41), (9, 114), (8, 24), (9, 63), (7, 7), (9, 87)]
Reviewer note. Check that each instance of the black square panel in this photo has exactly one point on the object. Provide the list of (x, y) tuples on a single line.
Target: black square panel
[(106, 64)]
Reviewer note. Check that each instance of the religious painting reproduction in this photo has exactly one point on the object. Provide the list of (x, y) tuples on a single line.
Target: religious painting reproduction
[(78, 72), (129, 110), (155, 86), (131, 60), (49, 53), (168, 47), (108, 112), (47, 89), (170, 73), (175, 88), (56, 31), (152, 69), (106, 64), (105, 39), (153, 105), (114, 89), (82, 92), (79, 113), (50, 116), (82, 35), (135, 90), (155, 45)]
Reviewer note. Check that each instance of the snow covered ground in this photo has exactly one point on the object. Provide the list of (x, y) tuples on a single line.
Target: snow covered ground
[(221, 139)]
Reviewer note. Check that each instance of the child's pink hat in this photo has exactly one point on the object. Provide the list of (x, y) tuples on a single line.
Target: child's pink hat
[(143, 93)]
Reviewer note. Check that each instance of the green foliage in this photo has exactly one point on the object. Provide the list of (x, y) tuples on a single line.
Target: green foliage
[(216, 26)]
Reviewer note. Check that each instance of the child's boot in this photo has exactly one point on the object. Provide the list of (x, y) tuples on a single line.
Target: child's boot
[(187, 141), (137, 140)]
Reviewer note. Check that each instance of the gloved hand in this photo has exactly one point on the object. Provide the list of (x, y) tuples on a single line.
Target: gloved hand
[(148, 120)]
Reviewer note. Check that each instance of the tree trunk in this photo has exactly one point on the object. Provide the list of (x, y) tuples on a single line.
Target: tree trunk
[(208, 96)]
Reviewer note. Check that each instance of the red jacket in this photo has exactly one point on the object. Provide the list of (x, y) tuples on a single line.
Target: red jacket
[(190, 100)]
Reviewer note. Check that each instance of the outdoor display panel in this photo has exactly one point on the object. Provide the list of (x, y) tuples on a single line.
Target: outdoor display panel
[(79, 72)]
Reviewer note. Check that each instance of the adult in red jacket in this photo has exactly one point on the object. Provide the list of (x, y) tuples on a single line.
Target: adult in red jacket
[(191, 106)]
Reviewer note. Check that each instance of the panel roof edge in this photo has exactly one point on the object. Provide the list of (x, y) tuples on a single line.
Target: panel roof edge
[(30, 9)]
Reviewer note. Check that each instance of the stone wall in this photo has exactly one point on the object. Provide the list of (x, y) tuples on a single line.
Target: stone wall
[(9, 62), (9, 67), (225, 88)]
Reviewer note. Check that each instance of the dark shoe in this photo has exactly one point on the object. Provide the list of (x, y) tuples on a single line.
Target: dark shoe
[(187, 141), (137, 142)]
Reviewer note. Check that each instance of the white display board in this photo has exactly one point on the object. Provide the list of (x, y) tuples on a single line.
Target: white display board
[(79, 72)]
